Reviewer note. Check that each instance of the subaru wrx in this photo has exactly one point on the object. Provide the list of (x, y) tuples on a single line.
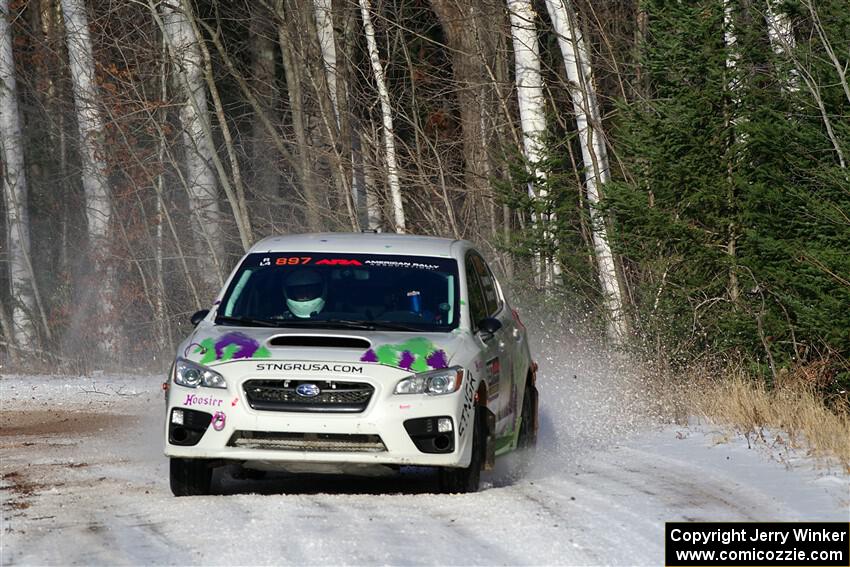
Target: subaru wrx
[(345, 352)]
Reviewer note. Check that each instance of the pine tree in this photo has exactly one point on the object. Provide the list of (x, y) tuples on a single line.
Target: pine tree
[(735, 229)]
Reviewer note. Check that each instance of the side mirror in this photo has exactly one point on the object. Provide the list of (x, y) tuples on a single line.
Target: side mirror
[(489, 325), (198, 316)]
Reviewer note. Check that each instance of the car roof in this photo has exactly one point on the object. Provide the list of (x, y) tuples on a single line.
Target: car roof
[(359, 243)]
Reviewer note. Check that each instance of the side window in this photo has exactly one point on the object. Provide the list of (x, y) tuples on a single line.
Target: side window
[(491, 296), (477, 305)]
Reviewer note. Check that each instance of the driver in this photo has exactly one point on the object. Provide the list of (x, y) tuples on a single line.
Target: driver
[(305, 292)]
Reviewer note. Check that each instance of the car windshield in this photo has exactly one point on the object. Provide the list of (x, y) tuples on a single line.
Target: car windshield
[(360, 291)]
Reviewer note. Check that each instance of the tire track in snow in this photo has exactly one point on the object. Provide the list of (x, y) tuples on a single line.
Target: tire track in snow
[(622, 497), (607, 523), (578, 532), (711, 493), (99, 536)]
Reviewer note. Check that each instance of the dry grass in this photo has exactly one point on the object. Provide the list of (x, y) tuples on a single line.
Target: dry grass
[(793, 407)]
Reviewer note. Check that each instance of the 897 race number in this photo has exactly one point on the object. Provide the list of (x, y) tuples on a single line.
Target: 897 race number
[(294, 261)]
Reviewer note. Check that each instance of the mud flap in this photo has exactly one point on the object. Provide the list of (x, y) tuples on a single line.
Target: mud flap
[(490, 450)]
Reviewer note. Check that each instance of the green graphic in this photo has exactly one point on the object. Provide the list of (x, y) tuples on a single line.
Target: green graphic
[(416, 355), (228, 347)]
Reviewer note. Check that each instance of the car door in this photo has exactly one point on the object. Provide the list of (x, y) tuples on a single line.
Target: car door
[(499, 360), (489, 362)]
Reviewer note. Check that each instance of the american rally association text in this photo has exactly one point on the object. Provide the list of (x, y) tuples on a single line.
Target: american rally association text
[(726, 536)]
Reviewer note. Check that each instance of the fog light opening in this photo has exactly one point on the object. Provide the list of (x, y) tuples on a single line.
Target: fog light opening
[(179, 434), (441, 442)]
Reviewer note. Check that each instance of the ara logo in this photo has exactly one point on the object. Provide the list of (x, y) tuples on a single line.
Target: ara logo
[(266, 261), (338, 262), (307, 390)]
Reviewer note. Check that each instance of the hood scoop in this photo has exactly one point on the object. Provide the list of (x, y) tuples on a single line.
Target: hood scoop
[(319, 341)]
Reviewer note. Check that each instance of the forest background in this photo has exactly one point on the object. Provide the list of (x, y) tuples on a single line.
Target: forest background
[(673, 175)]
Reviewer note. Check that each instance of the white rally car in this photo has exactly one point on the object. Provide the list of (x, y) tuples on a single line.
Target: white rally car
[(342, 352)]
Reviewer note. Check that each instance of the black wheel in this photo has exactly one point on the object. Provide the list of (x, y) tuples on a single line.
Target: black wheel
[(527, 438), (468, 479), (519, 462), (190, 477)]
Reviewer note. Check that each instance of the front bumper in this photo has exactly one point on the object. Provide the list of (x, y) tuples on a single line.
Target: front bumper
[(377, 435)]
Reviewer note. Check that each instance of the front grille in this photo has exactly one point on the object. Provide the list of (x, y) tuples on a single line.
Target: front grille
[(311, 442), (333, 397)]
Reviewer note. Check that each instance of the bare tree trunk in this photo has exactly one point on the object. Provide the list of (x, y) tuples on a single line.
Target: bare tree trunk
[(198, 148), (327, 44), (594, 155), (296, 108), (782, 41), (531, 102), (386, 112), (23, 322), (732, 57), (94, 167), (374, 210), (350, 124), (9, 334), (640, 88), (266, 179), (468, 32), (235, 193), (815, 90), (163, 323), (325, 82), (840, 68)]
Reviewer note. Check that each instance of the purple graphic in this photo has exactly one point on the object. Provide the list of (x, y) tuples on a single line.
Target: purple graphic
[(200, 349), (437, 360), (230, 346), (406, 360), (218, 420), (247, 345), (417, 355)]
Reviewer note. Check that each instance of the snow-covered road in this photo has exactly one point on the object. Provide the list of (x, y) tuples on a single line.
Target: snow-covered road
[(84, 481)]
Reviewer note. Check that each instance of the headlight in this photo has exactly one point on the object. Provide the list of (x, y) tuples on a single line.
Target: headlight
[(191, 375), (435, 383)]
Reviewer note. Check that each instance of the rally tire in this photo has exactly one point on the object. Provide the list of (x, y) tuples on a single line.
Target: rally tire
[(190, 477), (527, 437), (520, 461), (455, 480)]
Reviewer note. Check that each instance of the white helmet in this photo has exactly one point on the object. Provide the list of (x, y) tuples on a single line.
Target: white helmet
[(305, 293)]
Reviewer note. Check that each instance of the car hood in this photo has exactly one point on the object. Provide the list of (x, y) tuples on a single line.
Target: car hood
[(213, 345)]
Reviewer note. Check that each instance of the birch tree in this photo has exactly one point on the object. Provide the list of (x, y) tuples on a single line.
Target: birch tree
[(733, 82), (198, 150), (94, 166), (529, 85), (327, 44), (323, 10), (15, 194), (781, 35), (386, 113), (594, 153)]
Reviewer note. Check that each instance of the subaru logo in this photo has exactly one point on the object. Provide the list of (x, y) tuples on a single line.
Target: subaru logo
[(307, 390)]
